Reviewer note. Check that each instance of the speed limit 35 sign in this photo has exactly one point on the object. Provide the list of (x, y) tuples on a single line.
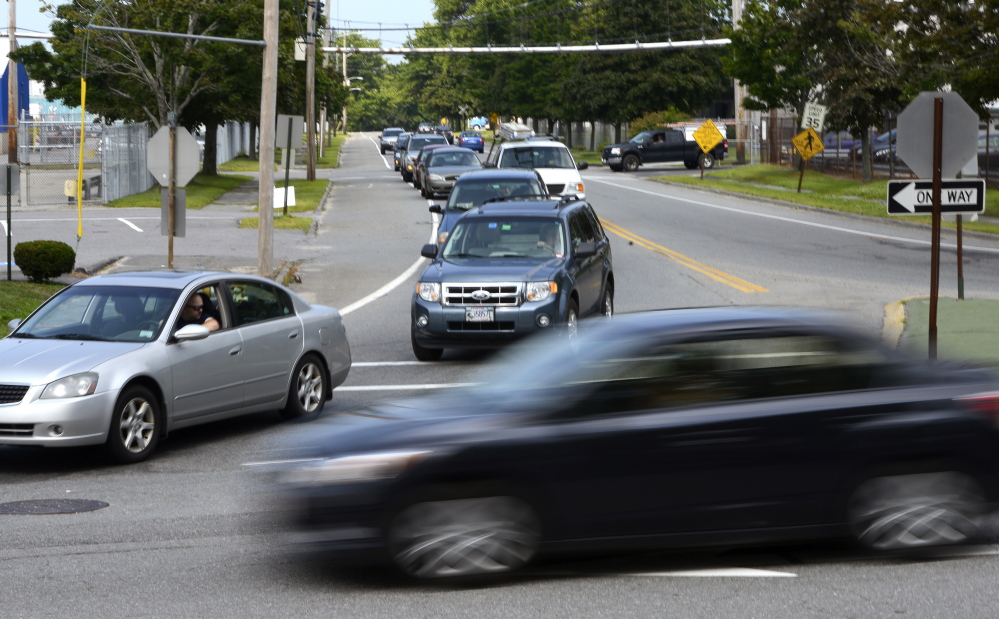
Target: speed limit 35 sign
[(813, 117)]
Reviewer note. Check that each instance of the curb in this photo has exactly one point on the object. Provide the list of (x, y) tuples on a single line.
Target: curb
[(805, 207)]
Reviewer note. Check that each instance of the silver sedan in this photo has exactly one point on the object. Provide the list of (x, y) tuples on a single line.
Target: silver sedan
[(122, 359)]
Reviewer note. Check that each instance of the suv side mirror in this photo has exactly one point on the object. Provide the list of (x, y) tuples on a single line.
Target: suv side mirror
[(582, 165), (436, 208), (430, 251), (585, 250)]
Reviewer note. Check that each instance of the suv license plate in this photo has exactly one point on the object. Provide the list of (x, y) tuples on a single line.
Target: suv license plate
[(479, 314)]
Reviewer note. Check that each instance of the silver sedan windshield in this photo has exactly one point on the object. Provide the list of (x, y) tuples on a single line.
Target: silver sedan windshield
[(114, 313)]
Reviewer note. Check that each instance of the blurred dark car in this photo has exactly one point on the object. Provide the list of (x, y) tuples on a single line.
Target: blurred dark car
[(473, 140), (662, 429), (424, 152), (474, 188), (991, 151), (882, 146), (440, 168), (446, 132), (389, 137), (397, 149), (409, 151)]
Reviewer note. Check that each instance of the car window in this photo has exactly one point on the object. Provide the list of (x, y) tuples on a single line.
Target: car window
[(530, 157), (256, 302), (454, 158), (674, 138), (644, 136), (594, 222), (471, 194), (119, 313)]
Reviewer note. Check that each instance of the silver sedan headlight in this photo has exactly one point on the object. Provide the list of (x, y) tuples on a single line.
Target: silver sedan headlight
[(71, 387), (436, 177), (355, 469)]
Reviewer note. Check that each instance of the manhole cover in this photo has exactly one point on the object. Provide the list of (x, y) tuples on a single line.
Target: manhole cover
[(51, 506)]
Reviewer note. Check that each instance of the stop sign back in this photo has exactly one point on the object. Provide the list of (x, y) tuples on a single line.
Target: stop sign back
[(158, 156), (915, 134)]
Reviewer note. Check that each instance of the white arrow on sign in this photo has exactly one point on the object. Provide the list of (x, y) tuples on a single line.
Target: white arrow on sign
[(910, 197)]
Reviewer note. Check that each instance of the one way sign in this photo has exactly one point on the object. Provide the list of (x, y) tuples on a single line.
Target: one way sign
[(964, 196)]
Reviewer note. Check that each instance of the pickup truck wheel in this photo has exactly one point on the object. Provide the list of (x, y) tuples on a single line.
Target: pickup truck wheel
[(708, 160), (690, 165), (630, 163)]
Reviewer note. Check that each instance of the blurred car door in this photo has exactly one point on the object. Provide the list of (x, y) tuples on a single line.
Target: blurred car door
[(207, 374), (272, 335)]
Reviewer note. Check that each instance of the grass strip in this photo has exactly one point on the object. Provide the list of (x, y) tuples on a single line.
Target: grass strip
[(18, 299), (307, 194), (281, 222), (201, 191), (817, 190)]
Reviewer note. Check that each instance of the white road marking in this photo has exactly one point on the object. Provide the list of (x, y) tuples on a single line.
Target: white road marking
[(721, 572), (872, 235), (4, 224), (373, 364), (46, 219), (404, 387), (392, 285), (130, 224), (380, 153)]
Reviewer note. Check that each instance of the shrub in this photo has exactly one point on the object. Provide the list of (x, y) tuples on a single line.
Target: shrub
[(657, 120), (40, 261)]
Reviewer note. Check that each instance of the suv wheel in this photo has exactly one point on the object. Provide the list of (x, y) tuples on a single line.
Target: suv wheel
[(607, 305), (425, 354), (572, 321), (630, 163)]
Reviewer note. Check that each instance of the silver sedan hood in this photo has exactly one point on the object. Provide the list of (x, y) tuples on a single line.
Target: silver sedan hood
[(37, 362)]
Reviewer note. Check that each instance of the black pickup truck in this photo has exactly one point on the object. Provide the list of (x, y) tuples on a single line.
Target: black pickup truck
[(658, 146)]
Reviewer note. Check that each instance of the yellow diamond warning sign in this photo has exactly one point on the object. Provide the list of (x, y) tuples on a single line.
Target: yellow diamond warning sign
[(707, 136), (808, 143)]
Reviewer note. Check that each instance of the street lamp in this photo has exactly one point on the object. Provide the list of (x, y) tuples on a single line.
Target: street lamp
[(346, 82)]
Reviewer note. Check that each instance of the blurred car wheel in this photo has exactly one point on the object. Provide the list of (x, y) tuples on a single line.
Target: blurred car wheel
[(919, 510), (607, 305), (464, 537), (308, 390)]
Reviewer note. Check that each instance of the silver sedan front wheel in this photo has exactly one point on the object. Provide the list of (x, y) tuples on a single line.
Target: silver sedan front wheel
[(464, 537), (134, 431)]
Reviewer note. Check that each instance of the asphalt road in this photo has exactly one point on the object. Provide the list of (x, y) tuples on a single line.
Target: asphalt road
[(197, 530)]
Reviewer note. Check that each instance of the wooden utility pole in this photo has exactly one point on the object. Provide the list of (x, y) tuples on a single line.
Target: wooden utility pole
[(12, 85), (268, 105), (310, 90), (740, 93)]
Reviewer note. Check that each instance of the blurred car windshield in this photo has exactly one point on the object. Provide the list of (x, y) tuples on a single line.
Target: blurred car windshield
[(116, 313), (644, 136), (464, 158), (469, 195), (507, 237), (531, 157)]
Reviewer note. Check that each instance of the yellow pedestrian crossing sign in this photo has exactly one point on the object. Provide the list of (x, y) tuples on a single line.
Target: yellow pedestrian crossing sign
[(707, 136), (808, 143)]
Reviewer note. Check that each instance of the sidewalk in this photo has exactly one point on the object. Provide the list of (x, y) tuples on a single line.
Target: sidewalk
[(966, 330)]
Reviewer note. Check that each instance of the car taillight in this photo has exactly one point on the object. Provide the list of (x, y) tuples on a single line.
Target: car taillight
[(726, 144), (984, 403)]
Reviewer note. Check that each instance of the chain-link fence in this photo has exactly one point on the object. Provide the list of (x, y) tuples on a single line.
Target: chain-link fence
[(114, 158)]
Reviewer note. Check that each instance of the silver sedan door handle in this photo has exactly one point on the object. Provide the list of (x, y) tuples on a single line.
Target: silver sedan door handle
[(293, 335), (235, 350)]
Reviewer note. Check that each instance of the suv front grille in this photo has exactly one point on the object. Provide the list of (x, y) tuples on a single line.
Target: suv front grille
[(554, 189), (500, 295), (12, 394)]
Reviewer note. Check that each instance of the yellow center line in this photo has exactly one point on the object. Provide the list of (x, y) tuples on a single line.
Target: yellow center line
[(690, 263)]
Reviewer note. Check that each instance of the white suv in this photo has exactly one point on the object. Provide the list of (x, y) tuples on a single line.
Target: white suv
[(551, 159)]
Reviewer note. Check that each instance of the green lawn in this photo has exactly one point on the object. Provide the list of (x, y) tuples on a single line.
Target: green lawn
[(818, 190), (243, 163), (281, 222), (201, 191), (18, 299), (307, 193)]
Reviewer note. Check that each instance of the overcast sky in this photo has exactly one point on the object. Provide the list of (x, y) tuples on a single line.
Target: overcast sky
[(361, 14)]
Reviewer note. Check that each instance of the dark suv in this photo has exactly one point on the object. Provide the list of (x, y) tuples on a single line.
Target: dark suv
[(510, 269)]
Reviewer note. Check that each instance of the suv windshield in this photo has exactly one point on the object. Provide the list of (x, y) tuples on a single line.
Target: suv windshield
[(391, 132), (506, 237), (537, 156), (117, 313), (471, 194)]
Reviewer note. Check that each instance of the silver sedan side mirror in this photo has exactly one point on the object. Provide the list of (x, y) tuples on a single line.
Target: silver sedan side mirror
[(191, 332)]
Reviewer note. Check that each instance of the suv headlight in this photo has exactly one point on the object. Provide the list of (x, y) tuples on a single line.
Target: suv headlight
[(429, 291), (71, 387), (539, 291), (615, 151), (355, 469)]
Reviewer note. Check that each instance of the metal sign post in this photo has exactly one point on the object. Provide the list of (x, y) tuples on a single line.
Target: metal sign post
[(9, 187), (808, 144), (287, 167), (290, 130), (935, 234)]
